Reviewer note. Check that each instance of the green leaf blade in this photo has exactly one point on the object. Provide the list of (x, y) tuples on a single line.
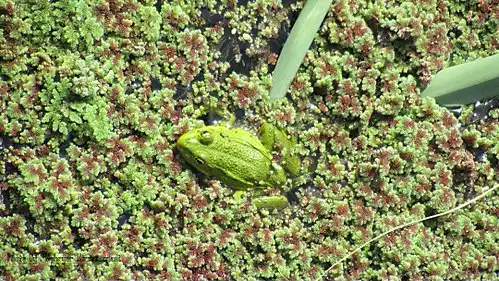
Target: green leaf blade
[(465, 83), (303, 33)]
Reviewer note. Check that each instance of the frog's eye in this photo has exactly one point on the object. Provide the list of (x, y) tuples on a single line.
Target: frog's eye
[(206, 138), (199, 161)]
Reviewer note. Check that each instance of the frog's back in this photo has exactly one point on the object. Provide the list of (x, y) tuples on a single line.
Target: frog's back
[(241, 160)]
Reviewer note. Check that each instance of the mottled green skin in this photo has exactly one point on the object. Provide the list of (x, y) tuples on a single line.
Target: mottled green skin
[(270, 137), (237, 158)]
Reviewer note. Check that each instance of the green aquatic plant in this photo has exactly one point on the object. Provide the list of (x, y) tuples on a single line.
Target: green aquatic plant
[(466, 83), (107, 196), (297, 44), (406, 225)]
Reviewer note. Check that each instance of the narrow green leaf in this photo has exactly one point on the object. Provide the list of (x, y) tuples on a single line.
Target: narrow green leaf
[(465, 83), (303, 33)]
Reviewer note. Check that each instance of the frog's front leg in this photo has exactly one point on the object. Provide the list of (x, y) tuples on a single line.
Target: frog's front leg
[(265, 202), (216, 115), (272, 138), (228, 119)]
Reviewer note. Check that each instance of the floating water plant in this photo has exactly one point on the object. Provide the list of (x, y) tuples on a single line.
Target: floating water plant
[(406, 225), (95, 94)]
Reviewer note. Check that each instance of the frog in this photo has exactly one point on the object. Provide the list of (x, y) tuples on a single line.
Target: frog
[(243, 161)]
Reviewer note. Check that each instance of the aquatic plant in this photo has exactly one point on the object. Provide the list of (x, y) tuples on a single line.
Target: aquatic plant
[(94, 95), (297, 44), (466, 83)]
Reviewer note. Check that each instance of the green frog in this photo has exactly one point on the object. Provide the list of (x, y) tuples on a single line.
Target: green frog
[(239, 159)]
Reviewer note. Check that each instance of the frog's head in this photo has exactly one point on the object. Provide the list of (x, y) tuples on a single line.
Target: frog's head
[(194, 146)]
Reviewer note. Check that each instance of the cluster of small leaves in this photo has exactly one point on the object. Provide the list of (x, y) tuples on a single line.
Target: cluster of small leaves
[(94, 95)]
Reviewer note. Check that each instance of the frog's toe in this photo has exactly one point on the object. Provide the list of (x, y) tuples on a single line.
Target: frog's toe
[(239, 194), (292, 165)]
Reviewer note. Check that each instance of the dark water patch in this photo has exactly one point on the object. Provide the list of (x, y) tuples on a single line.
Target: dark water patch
[(199, 76), (456, 111), (4, 199), (82, 140), (158, 5), (181, 92), (293, 196), (456, 31), (64, 146), (405, 277), (10, 169), (480, 155), (321, 91), (209, 18), (210, 118), (57, 77), (137, 83), (123, 219), (234, 51), (288, 2), (155, 83), (239, 114), (228, 46), (244, 66), (494, 162), (214, 94), (481, 110), (479, 113), (354, 133), (5, 142), (283, 33), (213, 117), (493, 103), (432, 223), (73, 97)]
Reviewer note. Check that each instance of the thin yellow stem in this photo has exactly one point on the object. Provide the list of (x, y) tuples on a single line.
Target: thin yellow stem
[(408, 224)]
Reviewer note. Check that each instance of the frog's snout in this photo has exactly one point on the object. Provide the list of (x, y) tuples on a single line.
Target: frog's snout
[(187, 142)]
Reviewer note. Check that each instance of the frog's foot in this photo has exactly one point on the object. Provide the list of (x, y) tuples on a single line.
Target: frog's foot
[(216, 115), (272, 137), (266, 202), (228, 119), (271, 202)]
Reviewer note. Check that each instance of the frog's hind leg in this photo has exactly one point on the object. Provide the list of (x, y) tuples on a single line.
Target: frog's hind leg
[(272, 138), (265, 202), (267, 136), (271, 202)]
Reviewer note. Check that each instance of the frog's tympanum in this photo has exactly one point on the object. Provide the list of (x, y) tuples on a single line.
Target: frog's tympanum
[(239, 159)]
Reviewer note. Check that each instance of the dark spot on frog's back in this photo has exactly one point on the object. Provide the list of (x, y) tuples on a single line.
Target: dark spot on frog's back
[(223, 135)]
